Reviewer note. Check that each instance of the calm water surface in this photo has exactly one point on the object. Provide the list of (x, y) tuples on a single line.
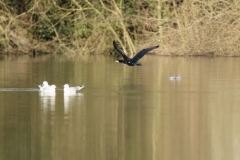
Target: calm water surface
[(123, 113)]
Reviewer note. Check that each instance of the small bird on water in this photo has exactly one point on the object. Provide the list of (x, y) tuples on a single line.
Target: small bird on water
[(178, 77), (45, 87), (68, 89), (172, 77), (132, 61), (175, 77)]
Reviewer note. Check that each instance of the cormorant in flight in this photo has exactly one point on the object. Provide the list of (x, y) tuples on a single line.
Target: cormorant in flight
[(134, 61)]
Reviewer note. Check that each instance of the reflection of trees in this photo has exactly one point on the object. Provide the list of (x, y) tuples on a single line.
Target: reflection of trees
[(59, 127)]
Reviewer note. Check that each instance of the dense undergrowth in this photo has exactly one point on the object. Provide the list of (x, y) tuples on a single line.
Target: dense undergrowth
[(83, 27)]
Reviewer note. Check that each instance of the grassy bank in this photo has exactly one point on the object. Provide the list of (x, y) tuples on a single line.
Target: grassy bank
[(192, 27)]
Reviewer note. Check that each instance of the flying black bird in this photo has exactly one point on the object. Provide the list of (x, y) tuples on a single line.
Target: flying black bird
[(134, 61)]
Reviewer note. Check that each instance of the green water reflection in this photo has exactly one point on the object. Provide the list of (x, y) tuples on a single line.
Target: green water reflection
[(123, 112)]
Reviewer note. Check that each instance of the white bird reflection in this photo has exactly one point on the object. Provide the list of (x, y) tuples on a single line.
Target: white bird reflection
[(48, 101), (71, 100)]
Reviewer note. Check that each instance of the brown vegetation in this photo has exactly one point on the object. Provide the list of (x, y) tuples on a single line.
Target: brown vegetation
[(193, 27)]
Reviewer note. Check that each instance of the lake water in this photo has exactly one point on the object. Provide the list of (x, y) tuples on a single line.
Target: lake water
[(123, 113)]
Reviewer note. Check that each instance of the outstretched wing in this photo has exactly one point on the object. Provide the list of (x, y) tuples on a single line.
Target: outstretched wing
[(140, 54), (120, 51)]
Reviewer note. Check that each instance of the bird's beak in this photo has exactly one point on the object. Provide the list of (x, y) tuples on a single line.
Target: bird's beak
[(117, 61)]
